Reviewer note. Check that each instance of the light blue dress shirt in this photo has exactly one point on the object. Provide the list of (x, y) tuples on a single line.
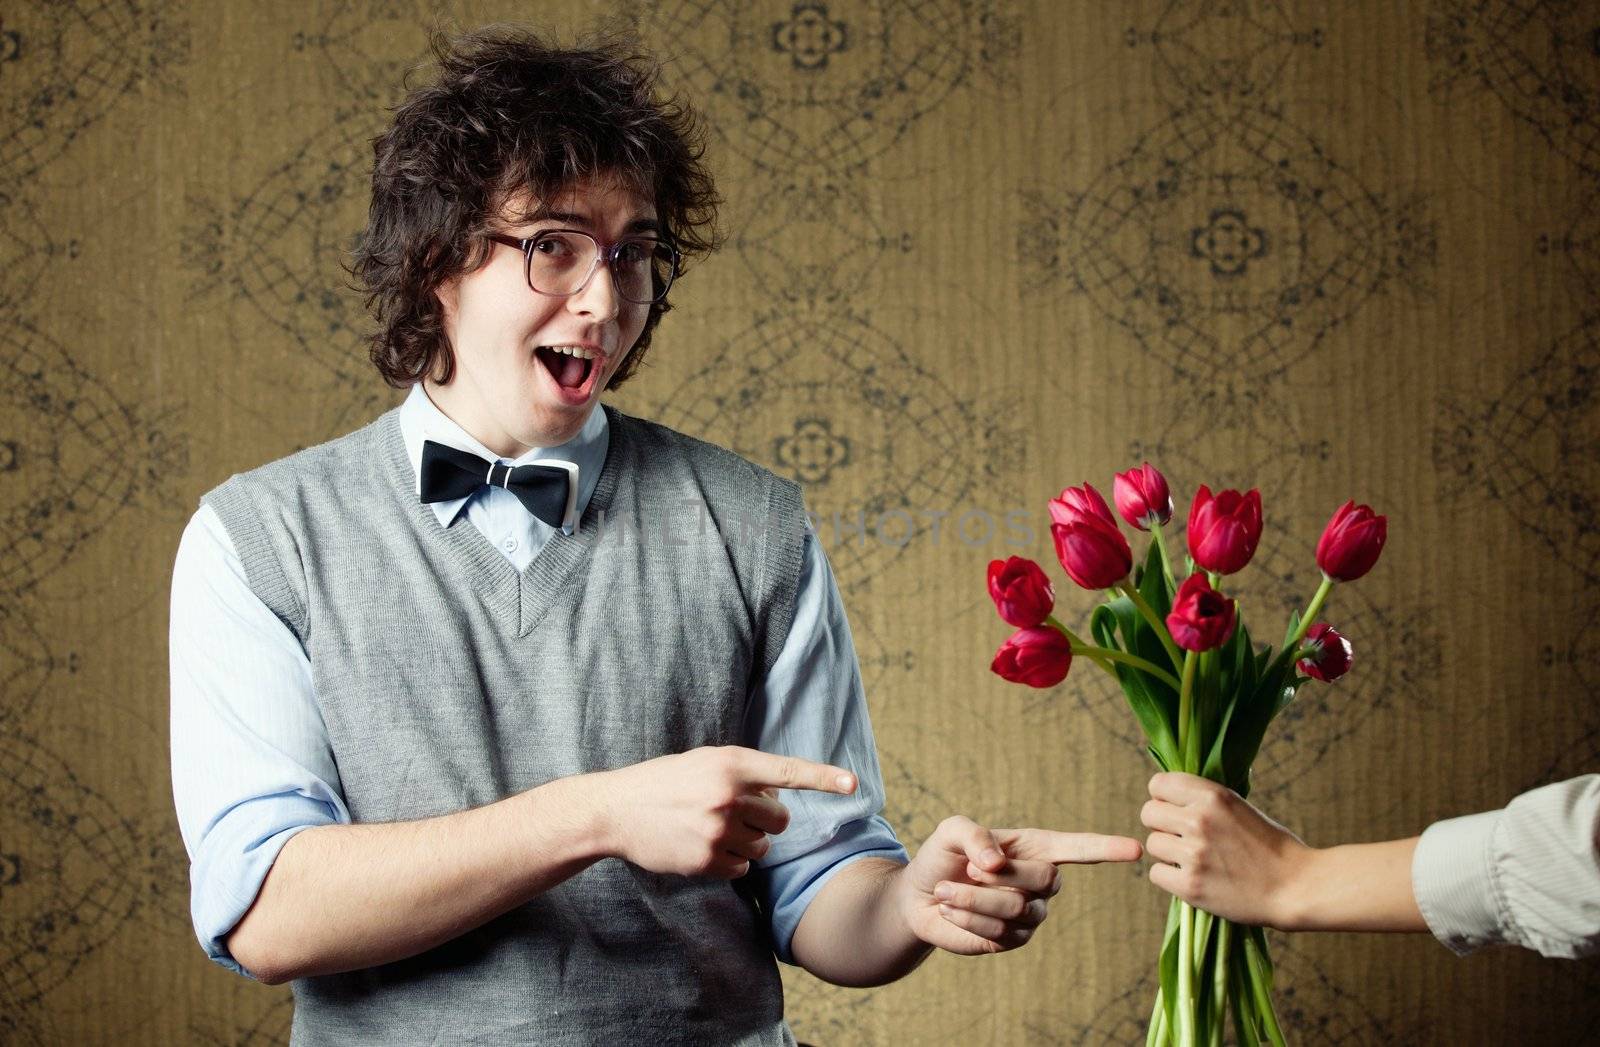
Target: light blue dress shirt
[(252, 764)]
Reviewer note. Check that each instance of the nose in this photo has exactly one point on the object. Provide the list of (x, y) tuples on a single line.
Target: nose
[(599, 299)]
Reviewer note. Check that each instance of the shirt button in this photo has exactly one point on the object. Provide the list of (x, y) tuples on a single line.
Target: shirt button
[(509, 544)]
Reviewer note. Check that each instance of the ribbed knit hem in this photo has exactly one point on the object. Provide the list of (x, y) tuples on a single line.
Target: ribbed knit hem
[(780, 568), (262, 568)]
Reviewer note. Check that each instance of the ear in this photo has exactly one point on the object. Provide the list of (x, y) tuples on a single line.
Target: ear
[(448, 293)]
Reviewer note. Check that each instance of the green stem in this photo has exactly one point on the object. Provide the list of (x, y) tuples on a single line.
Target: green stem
[(1079, 644), (1258, 989), (1202, 935), (1186, 731), (1204, 689), (1311, 612), (1103, 655), (1186, 1036), (1157, 1036), (1185, 697), (1305, 623), (1219, 981), (1244, 1009), (1166, 561), (1155, 621), (1130, 659)]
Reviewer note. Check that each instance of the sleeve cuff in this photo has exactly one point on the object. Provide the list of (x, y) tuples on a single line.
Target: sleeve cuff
[(784, 925), (793, 884), (233, 862), (1452, 878)]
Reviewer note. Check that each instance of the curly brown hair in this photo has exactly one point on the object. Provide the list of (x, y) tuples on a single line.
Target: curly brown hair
[(511, 112)]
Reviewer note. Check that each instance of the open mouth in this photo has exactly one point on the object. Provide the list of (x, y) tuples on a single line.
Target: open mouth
[(571, 373)]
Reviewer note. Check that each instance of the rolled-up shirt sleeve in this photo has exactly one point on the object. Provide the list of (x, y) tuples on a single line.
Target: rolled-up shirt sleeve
[(812, 705), (1526, 875), (251, 761)]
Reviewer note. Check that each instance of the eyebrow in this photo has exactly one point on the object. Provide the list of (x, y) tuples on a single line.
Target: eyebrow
[(547, 214)]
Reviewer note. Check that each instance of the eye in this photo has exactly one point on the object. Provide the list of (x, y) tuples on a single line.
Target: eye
[(636, 252), (554, 245)]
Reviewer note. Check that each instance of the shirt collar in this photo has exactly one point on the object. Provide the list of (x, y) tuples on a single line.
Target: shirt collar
[(422, 420)]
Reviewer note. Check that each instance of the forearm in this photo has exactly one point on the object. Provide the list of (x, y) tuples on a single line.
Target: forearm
[(343, 897), (855, 932), (1354, 887)]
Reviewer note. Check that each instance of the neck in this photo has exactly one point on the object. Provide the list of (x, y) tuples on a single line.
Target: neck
[(477, 425)]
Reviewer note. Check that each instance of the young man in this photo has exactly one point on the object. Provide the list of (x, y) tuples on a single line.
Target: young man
[(459, 769)]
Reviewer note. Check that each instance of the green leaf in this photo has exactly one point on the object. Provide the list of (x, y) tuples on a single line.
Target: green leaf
[(1154, 703), (1168, 966), (1152, 584), (1260, 936), (1236, 685), (1246, 1024), (1213, 766), (1249, 725)]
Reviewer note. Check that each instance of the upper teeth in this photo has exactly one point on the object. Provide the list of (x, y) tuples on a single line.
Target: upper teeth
[(572, 350)]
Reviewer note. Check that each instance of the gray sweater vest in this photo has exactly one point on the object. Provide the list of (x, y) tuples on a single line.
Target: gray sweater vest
[(448, 681)]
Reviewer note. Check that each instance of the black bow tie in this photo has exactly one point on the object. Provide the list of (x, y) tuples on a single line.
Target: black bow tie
[(449, 472)]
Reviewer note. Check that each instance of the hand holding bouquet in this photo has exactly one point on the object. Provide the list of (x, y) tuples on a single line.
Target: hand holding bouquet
[(1202, 692)]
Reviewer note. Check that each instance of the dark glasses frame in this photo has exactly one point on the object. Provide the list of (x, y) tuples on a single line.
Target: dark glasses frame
[(605, 254)]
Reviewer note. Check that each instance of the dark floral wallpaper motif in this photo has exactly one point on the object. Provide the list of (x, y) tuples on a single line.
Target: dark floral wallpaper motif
[(977, 250)]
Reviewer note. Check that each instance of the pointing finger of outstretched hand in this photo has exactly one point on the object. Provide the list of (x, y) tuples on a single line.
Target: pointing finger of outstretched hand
[(752, 767), (1060, 848)]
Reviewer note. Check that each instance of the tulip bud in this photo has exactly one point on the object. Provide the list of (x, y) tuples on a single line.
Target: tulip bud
[(1038, 656), (1351, 542), (1092, 552), (1201, 618), (1077, 503), (1332, 658), (1021, 592), (1142, 496), (1224, 530)]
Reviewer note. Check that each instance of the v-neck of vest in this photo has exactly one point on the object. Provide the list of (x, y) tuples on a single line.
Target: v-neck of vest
[(521, 599)]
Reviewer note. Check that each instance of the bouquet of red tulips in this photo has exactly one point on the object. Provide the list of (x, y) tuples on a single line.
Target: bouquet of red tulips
[(1200, 689)]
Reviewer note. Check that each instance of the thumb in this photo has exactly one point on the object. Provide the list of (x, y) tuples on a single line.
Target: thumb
[(979, 845)]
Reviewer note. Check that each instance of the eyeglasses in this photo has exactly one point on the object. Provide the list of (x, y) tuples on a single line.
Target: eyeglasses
[(559, 262)]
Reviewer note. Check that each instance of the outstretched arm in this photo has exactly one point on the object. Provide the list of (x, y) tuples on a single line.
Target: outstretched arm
[(1526, 875), (969, 890)]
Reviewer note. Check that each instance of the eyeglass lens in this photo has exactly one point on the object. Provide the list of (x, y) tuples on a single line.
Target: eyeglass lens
[(560, 260)]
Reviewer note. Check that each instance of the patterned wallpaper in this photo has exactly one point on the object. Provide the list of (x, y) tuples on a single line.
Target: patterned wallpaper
[(978, 250)]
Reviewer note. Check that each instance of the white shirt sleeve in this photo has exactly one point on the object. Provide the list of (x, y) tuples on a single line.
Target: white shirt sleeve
[(812, 705), (1526, 875), (251, 761)]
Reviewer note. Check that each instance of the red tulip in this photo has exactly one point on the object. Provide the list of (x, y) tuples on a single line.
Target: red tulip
[(1021, 592), (1224, 530), (1351, 542), (1142, 496), (1093, 552), (1038, 656), (1331, 660), (1201, 618), (1076, 503)]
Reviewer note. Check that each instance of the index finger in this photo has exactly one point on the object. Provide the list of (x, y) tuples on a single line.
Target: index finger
[(1181, 789), (1060, 848), (752, 767)]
